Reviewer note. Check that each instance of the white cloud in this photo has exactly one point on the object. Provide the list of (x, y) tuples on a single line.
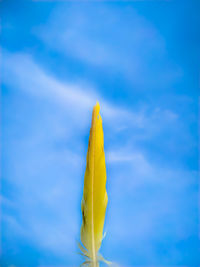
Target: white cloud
[(121, 42), (76, 98), (46, 201), (147, 200)]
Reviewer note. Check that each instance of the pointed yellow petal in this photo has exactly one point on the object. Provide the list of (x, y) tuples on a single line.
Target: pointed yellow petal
[(95, 198)]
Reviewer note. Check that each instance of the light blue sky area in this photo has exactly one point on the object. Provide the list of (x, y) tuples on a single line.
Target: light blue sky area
[(140, 61)]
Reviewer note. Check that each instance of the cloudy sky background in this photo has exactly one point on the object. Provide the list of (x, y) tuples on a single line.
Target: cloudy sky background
[(140, 60)]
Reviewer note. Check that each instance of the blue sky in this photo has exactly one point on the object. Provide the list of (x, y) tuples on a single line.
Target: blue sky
[(140, 60)]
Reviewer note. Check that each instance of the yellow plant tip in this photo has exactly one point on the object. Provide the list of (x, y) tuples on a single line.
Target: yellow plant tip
[(94, 201)]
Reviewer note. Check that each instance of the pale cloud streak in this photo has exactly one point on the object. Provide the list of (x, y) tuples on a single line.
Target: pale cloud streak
[(76, 98), (110, 53), (76, 102), (128, 51), (31, 78)]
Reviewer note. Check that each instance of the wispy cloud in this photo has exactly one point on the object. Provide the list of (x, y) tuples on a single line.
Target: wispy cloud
[(28, 76), (134, 51), (56, 196), (76, 54)]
